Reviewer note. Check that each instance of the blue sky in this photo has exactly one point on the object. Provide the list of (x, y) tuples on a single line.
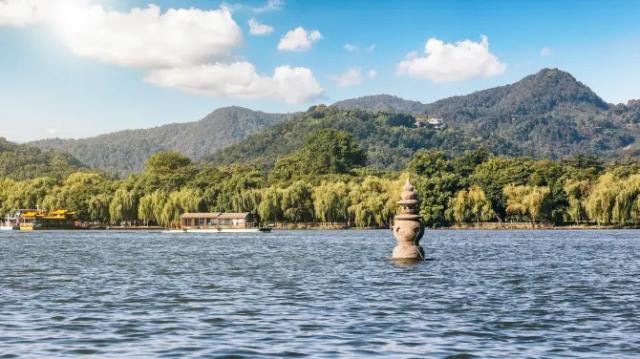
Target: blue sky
[(63, 76)]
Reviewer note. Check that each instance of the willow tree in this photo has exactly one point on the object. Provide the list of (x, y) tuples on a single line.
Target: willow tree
[(297, 202), (247, 200), (145, 209), (577, 193), (123, 206), (528, 201), (270, 207), (6, 189), (29, 193), (158, 199), (177, 203), (470, 205), (602, 199), (370, 203), (98, 208), (330, 202), (77, 192), (223, 196), (627, 204)]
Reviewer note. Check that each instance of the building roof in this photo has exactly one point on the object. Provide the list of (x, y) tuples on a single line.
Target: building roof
[(216, 215)]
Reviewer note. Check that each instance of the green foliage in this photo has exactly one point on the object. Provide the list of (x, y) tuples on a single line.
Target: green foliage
[(22, 162), (123, 206), (270, 207), (387, 146), (577, 192), (370, 203), (297, 204), (331, 200), (527, 201), (429, 163), (87, 193), (324, 180), (326, 151), (469, 206)]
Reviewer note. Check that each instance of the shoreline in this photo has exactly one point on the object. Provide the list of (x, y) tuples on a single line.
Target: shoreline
[(477, 227)]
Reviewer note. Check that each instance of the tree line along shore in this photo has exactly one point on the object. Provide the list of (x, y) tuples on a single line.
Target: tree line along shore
[(325, 183)]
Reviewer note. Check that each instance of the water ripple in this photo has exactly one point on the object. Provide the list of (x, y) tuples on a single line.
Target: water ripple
[(327, 294)]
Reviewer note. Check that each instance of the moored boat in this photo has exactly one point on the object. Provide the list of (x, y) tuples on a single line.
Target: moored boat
[(37, 219), (218, 222), (9, 223)]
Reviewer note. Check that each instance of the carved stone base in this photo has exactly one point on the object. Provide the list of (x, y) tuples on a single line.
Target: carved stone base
[(408, 252)]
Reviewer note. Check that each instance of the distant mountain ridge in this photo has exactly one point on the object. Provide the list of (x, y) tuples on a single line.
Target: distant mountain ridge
[(545, 115), (382, 102), (549, 114), (126, 151)]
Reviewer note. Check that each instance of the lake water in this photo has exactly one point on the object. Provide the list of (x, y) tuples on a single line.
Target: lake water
[(485, 294)]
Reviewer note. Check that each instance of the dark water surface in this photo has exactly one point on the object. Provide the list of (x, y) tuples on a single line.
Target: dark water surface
[(486, 294)]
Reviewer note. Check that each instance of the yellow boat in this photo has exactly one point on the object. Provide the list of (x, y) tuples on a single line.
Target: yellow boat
[(35, 219)]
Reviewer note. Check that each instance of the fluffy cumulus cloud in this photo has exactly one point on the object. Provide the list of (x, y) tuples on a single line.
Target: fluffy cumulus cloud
[(148, 38), (352, 77), (256, 28), (24, 12), (240, 79), (187, 49), (443, 62), (299, 39)]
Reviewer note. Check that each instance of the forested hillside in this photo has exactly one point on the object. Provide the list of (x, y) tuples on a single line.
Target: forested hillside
[(21, 162), (126, 151), (546, 115), (389, 139)]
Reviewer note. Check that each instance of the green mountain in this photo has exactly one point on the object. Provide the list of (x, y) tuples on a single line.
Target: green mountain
[(386, 103), (21, 162), (126, 151), (546, 115)]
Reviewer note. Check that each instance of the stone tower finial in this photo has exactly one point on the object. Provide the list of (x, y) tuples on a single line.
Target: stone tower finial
[(407, 227)]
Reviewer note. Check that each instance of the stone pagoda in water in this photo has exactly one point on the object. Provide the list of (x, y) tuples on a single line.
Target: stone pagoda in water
[(407, 226)]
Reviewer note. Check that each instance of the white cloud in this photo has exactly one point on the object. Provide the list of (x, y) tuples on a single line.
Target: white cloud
[(185, 49), (350, 47), (299, 39), (350, 78), (353, 48), (240, 80), (545, 51), (25, 12), (148, 38), (372, 73), (270, 5), (257, 28), (463, 60)]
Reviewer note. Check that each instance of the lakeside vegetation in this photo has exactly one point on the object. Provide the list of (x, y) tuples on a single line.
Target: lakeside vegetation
[(326, 181)]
